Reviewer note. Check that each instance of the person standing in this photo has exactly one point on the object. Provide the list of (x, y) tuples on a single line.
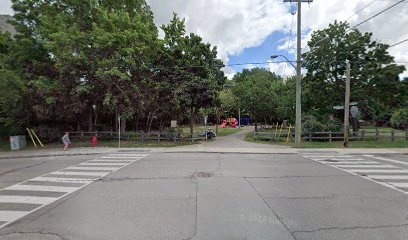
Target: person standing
[(66, 141)]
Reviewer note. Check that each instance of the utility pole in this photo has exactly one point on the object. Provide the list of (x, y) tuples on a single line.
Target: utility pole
[(347, 106), (119, 131), (239, 117), (298, 126)]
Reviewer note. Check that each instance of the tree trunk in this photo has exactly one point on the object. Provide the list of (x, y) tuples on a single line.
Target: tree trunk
[(150, 123), (147, 122), (122, 125), (90, 123), (78, 123), (191, 121), (256, 125)]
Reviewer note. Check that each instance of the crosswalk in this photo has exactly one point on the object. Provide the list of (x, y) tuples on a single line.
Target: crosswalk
[(367, 166), (21, 199)]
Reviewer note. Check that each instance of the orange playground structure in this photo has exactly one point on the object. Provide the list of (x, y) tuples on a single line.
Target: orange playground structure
[(229, 122)]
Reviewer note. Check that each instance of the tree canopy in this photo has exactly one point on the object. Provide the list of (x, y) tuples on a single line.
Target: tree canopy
[(375, 82), (76, 62)]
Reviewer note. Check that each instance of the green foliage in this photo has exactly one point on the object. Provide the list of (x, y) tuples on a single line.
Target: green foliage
[(399, 118), (375, 84), (75, 62), (311, 124), (264, 95)]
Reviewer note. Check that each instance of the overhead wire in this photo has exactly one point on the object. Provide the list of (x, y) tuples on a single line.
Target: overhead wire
[(398, 43), (366, 20)]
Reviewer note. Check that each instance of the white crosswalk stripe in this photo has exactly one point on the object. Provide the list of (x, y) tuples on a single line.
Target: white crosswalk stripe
[(370, 167), (97, 174), (94, 168), (74, 177), (62, 180), (6, 216), (100, 164), (366, 166), (43, 188)]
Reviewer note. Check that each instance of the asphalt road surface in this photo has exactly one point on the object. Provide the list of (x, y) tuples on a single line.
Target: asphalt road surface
[(143, 195)]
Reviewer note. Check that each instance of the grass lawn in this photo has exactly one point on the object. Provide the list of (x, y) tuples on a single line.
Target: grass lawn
[(338, 144), (221, 131)]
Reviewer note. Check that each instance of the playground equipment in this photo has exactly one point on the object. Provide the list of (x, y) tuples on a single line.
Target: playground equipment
[(31, 133), (229, 122)]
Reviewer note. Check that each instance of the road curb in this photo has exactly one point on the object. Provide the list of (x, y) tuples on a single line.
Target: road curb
[(51, 155)]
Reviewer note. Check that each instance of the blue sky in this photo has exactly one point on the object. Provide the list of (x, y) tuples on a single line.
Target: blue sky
[(263, 52)]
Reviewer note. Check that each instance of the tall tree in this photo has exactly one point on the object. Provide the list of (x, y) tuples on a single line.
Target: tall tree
[(374, 74), (258, 92), (192, 68)]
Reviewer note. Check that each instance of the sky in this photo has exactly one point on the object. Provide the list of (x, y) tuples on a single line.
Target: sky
[(251, 31)]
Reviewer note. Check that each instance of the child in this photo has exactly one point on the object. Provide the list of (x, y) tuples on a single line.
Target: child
[(66, 141)]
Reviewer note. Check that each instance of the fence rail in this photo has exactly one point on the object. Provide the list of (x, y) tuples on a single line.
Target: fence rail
[(139, 137), (362, 135)]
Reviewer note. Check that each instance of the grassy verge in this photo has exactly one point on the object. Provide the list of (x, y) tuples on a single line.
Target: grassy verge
[(337, 144)]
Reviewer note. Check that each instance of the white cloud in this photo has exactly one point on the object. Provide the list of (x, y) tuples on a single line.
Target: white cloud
[(282, 69), (5, 7), (234, 25)]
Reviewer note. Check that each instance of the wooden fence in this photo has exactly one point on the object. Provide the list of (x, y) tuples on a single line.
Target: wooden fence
[(362, 135), (137, 137)]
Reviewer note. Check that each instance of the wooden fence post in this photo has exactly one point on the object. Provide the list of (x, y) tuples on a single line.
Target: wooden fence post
[(377, 135), (330, 136), (363, 135), (406, 135), (392, 135), (310, 137)]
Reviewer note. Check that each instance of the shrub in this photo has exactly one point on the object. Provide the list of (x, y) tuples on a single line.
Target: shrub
[(399, 118)]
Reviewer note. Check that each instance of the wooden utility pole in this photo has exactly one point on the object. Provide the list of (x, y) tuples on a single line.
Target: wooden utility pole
[(298, 126), (347, 107)]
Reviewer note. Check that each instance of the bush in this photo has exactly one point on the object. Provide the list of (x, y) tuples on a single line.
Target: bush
[(310, 124), (399, 118), (48, 134)]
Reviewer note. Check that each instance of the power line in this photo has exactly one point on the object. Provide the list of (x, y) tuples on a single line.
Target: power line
[(366, 20), (362, 9), (398, 43), (379, 13)]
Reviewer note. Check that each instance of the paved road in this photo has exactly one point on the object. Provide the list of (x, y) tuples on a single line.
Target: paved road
[(153, 195)]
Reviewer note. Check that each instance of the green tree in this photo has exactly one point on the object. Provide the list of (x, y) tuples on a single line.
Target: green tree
[(374, 74), (263, 94), (192, 68)]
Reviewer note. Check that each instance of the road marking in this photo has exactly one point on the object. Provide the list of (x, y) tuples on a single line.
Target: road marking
[(6, 216), (41, 188), (379, 170), (100, 164), (391, 177), (26, 199), (62, 180), (120, 157), (399, 184), (111, 161), (94, 168), (387, 160), (367, 166), (351, 162), (97, 174), (380, 173)]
